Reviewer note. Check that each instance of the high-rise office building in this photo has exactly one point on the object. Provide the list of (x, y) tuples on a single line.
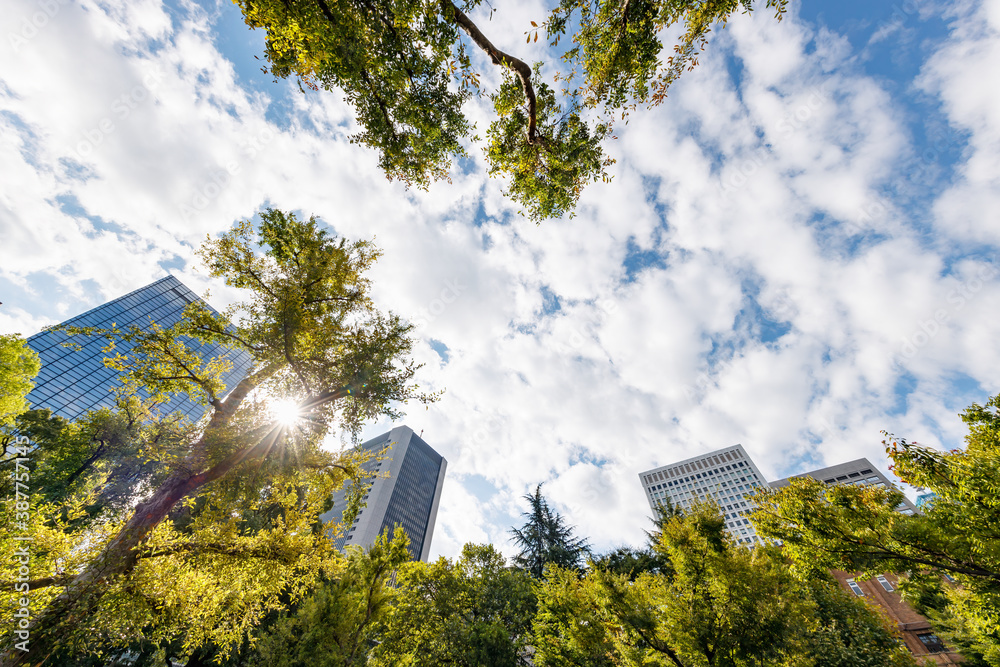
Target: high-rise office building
[(859, 472), (73, 381), (726, 476), (405, 491)]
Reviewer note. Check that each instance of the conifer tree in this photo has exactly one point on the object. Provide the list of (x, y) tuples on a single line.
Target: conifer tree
[(546, 538)]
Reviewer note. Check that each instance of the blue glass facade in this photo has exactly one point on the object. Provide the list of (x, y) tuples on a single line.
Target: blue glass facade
[(405, 492), (73, 381)]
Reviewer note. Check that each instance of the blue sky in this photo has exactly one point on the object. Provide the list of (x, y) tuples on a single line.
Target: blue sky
[(798, 249)]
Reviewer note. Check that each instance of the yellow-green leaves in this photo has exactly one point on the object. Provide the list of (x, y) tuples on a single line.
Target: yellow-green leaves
[(390, 58), (220, 523), (958, 534), (403, 66), (18, 367), (546, 177)]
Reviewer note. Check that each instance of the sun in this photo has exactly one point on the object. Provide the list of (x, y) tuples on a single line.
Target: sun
[(285, 411)]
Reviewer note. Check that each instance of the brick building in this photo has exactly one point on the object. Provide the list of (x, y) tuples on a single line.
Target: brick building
[(916, 630)]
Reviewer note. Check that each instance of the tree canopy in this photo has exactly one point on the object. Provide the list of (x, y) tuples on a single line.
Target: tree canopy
[(474, 611), (858, 530), (227, 527), (707, 602), (406, 69), (336, 625)]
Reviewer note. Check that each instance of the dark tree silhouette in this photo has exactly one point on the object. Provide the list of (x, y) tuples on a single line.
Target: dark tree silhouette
[(546, 538)]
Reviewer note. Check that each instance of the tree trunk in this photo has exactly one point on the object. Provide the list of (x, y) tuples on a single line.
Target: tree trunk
[(81, 595), (120, 555)]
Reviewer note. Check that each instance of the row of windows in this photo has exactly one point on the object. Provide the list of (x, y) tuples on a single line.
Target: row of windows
[(723, 472), (710, 461), (886, 584), (852, 475)]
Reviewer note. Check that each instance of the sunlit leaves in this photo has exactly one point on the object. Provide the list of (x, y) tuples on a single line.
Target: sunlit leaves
[(391, 60), (474, 611), (18, 367), (403, 67), (225, 526), (959, 534), (547, 176), (335, 625)]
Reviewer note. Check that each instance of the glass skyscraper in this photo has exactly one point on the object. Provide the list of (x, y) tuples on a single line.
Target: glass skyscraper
[(73, 381), (406, 491)]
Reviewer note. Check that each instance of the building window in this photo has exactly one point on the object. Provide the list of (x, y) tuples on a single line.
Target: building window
[(854, 587), (931, 642), (885, 583)]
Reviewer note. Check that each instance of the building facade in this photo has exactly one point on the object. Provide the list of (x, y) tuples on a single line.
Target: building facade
[(726, 476), (73, 381), (859, 472), (405, 491), (915, 630)]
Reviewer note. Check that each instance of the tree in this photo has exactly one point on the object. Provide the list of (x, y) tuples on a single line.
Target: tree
[(859, 530), (19, 365), (70, 455), (717, 604), (571, 625), (723, 605), (546, 539), (335, 626), (404, 66), (473, 612), (234, 525), (844, 631)]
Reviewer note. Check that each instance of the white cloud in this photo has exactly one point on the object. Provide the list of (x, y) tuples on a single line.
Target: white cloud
[(789, 274)]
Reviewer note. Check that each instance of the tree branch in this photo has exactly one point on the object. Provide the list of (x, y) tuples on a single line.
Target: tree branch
[(516, 65)]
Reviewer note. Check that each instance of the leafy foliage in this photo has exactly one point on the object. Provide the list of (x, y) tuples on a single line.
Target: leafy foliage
[(618, 45), (859, 530), (473, 612), (546, 176), (19, 365), (335, 626), (404, 67), (390, 59), (715, 604), (546, 539)]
